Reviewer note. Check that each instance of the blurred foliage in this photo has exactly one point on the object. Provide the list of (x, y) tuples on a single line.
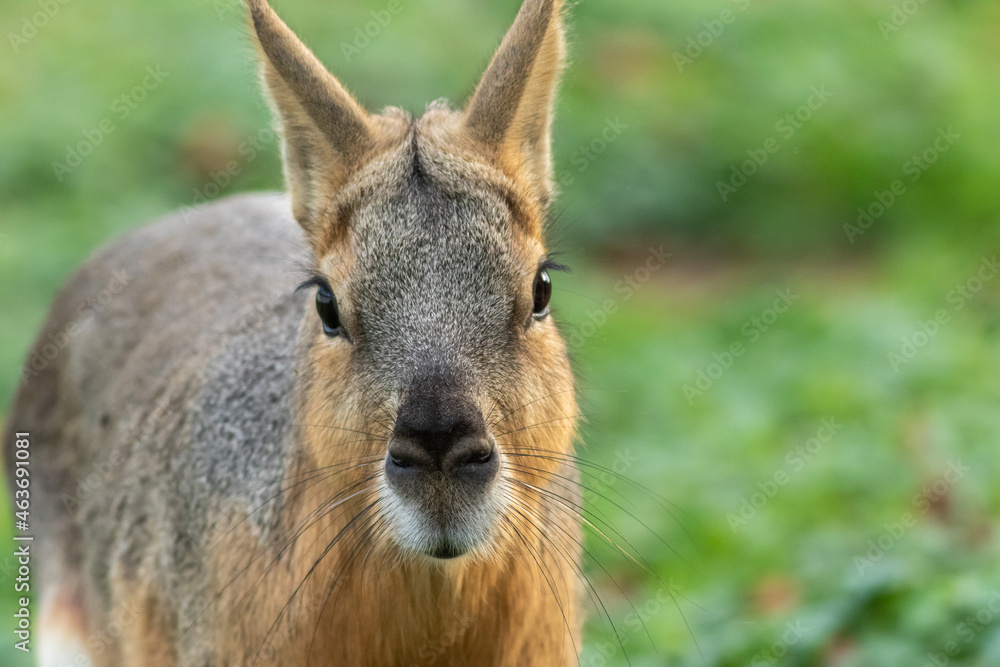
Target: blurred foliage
[(684, 122), (821, 506), (662, 102)]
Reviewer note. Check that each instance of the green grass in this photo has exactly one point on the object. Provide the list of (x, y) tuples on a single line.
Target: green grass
[(738, 580), (801, 552)]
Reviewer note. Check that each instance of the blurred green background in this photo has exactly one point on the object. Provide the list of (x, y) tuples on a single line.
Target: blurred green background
[(810, 378)]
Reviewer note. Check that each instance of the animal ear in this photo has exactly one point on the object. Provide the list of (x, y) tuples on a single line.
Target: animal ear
[(324, 131), (511, 111)]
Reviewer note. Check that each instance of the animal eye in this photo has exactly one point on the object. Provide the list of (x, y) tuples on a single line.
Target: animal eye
[(543, 292), (326, 306)]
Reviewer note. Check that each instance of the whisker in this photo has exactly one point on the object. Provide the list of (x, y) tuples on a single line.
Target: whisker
[(552, 477), (601, 565), (316, 479), (629, 556), (322, 473), (312, 569), (592, 593), (518, 409), (330, 589), (552, 588), (562, 457), (340, 428), (539, 424), (298, 531)]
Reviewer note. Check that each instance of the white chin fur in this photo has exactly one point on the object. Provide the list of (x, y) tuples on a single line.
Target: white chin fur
[(470, 529)]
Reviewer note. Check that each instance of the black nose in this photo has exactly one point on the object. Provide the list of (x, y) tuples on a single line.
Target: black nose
[(441, 434)]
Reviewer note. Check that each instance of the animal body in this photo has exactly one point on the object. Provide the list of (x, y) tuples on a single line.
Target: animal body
[(372, 468)]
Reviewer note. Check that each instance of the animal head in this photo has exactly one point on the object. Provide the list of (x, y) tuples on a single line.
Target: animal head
[(431, 351)]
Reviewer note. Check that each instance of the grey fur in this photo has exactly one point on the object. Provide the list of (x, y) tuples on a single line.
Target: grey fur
[(186, 389), (223, 440)]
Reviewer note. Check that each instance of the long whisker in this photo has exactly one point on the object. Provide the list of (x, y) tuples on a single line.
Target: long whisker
[(518, 409), (322, 473), (553, 455), (560, 503), (312, 569), (551, 586), (540, 424), (373, 436), (324, 510), (615, 581), (536, 523), (315, 479), (344, 568), (555, 477), (645, 565)]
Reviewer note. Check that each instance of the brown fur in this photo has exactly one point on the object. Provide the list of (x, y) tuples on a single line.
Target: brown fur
[(320, 577)]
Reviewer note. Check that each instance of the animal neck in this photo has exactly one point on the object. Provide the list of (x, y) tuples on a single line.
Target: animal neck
[(405, 611), (357, 600)]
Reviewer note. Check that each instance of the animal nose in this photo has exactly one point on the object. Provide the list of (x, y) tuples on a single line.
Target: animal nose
[(441, 437), (463, 455)]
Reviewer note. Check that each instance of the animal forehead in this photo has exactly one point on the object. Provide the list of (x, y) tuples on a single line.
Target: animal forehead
[(436, 277), (419, 229)]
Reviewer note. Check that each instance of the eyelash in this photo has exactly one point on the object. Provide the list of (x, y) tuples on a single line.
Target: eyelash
[(328, 310), (313, 281), (549, 264)]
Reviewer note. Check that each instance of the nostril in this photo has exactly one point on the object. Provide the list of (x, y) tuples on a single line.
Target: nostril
[(479, 457), (403, 455), (472, 458), (400, 462)]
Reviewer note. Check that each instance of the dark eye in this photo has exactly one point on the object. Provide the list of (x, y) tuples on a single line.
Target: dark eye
[(326, 306), (543, 292)]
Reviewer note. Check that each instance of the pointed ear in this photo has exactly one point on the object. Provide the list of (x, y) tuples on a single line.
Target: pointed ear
[(325, 132), (511, 111)]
